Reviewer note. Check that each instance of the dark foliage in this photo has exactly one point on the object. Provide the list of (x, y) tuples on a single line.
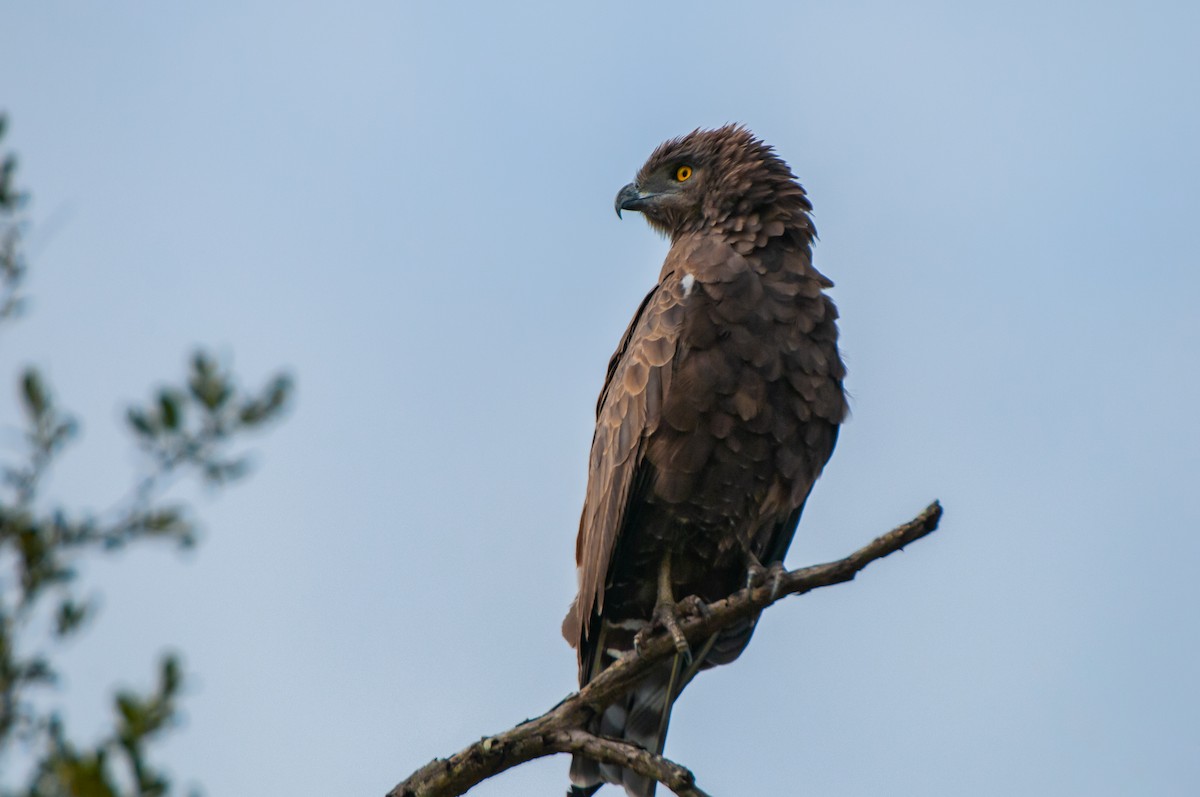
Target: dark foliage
[(185, 430)]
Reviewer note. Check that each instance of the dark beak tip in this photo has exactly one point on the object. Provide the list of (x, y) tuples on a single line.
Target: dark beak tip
[(628, 198)]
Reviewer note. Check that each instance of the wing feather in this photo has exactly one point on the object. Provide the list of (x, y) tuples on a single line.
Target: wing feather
[(629, 409)]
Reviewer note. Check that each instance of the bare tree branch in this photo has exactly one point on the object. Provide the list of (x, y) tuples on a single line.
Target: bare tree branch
[(560, 730), (630, 756)]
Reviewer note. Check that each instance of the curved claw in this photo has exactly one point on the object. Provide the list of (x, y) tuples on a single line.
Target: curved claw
[(666, 617), (693, 606), (757, 576)]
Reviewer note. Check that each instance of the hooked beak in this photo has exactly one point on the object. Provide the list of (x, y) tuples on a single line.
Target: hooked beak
[(632, 198)]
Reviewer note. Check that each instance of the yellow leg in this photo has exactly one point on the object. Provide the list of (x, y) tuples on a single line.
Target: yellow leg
[(666, 611), (666, 595)]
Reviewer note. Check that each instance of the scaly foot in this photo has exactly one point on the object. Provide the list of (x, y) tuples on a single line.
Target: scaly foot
[(758, 576), (667, 616)]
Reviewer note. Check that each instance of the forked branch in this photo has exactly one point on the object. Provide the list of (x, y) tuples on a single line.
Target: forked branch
[(560, 730)]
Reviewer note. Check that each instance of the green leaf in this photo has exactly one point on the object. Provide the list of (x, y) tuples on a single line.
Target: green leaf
[(34, 394), (168, 522), (273, 400), (202, 364), (227, 471), (71, 617), (170, 410), (280, 392), (140, 422), (207, 384), (251, 413)]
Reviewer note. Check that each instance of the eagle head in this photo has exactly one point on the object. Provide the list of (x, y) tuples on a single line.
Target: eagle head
[(708, 177)]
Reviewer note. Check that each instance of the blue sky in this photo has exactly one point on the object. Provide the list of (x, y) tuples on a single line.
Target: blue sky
[(410, 207)]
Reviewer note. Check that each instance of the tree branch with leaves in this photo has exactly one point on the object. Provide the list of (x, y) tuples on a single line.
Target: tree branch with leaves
[(190, 430)]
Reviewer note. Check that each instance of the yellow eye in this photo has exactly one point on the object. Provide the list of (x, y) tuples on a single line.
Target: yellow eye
[(683, 173)]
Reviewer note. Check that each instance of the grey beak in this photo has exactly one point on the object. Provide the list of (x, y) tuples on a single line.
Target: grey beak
[(631, 198)]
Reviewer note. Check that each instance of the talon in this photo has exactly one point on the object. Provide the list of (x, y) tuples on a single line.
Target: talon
[(694, 606), (639, 639), (755, 574), (666, 617), (777, 571), (758, 576)]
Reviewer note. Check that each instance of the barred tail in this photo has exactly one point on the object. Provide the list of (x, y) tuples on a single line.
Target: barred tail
[(641, 717)]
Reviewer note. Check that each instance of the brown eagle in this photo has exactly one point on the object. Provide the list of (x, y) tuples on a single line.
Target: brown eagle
[(719, 410)]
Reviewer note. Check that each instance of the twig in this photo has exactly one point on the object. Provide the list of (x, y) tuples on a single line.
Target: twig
[(560, 730), (677, 778)]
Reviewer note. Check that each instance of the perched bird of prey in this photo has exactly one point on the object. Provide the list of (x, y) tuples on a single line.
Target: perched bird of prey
[(719, 410)]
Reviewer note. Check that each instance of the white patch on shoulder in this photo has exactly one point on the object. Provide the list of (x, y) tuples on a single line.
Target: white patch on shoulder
[(687, 282)]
